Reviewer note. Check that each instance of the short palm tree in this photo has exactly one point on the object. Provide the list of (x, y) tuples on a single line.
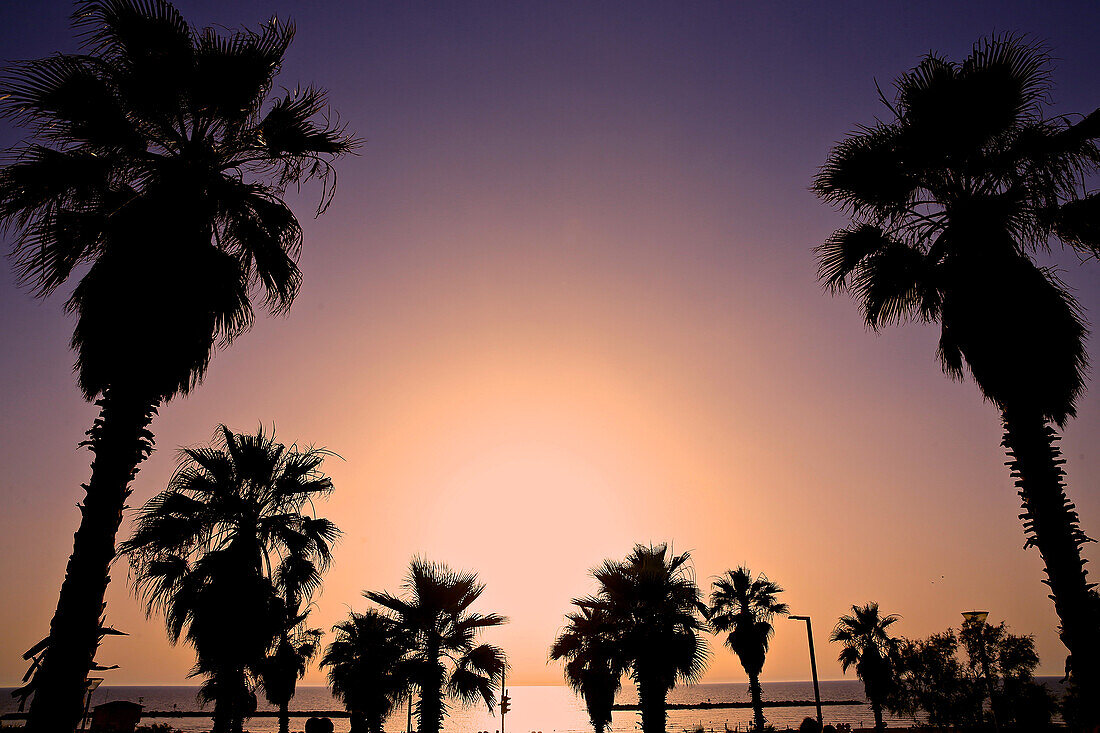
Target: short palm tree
[(152, 178), (869, 648), (370, 668), (653, 603), (744, 608), (435, 613), (287, 662), (592, 668), (215, 551), (952, 200)]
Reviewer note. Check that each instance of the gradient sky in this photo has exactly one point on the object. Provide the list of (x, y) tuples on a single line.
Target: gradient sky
[(563, 302)]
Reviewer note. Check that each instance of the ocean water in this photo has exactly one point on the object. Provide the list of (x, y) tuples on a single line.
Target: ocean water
[(535, 709)]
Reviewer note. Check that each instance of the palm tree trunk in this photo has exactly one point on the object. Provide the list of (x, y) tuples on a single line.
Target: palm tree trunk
[(284, 717), (429, 713), (757, 702), (119, 440), (651, 701), (876, 709), (1051, 524)]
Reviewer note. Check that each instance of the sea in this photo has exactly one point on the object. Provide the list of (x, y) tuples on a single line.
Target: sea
[(535, 709)]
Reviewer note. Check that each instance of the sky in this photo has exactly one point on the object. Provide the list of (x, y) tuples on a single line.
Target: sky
[(565, 301)]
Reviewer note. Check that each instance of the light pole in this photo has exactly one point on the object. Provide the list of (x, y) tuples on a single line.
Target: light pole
[(813, 665), (979, 617)]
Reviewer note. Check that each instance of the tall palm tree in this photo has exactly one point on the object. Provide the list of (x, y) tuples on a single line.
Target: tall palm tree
[(951, 202), (435, 612), (369, 668), (216, 551), (744, 608), (652, 601), (593, 667), (869, 648), (153, 177), (286, 663)]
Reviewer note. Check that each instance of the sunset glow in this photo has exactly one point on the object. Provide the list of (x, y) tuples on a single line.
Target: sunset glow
[(564, 301)]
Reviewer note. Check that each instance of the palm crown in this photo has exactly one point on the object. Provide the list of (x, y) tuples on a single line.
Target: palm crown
[(155, 171), (652, 600), (436, 613), (864, 634), (744, 607), (369, 666), (951, 200), (227, 553), (594, 664)]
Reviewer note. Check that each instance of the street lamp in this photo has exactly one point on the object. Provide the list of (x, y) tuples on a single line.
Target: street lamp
[(813, 665), (979, 617)]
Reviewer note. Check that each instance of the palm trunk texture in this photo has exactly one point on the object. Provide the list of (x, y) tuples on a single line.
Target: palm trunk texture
[(757, 702), (120, 441), (284, 717), (651, 702), (876, 710), (1051, 524), (430, 710)]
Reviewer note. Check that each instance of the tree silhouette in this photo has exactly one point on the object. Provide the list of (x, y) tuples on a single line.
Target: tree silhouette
[(154, 176), (655, 607), (436, 615), (222, 548), (593, 667), (869, 648), (369, 668), (952, 200), (744, 608), (286, 663)]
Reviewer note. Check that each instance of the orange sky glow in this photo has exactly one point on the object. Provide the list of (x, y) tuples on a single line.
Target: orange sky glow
[(543, 327)]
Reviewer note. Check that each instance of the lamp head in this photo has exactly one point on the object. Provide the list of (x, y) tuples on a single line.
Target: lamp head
[(979, 616)]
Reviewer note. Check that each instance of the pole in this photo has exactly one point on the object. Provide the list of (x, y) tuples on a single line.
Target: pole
[(813, 666), (409, 725), (504, 693)]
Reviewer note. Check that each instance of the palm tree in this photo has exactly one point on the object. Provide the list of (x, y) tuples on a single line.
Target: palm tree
[(745, 608), (370, 669), (435, 613), (655, 607), (951, 201), (153, 177), (286, 663), (592, 667), (868, 647), (220, 551)]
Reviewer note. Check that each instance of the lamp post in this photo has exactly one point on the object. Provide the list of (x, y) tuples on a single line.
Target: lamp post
[(979, 617), (813, 665)]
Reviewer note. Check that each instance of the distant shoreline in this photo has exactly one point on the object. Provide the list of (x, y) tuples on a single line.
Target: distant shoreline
[(767, 704), (345, 714)]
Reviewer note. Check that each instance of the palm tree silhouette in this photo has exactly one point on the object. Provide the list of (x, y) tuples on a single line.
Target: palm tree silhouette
[(744, 608), (217, 550), (592, 668), (868, 647), (951, 200), (287, 663), (154, 175), (369, 668), (436, 615), (655, 607)]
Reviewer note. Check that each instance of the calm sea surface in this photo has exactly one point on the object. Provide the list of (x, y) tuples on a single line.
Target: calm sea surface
[(549, 709)]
